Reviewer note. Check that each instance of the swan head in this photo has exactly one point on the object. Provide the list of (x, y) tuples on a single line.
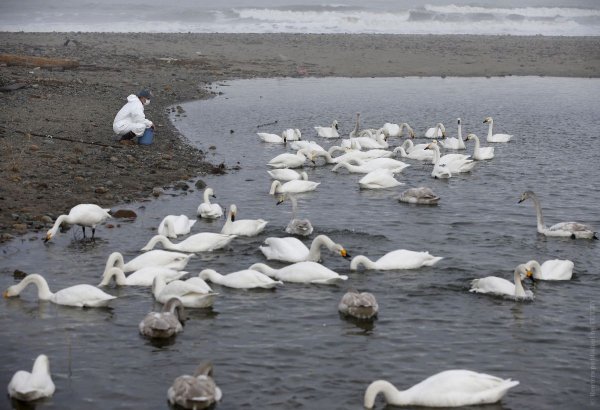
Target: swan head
[(432, 145), (526, 195), (470, 137), (335, 124), (342, 251), (458, 121), (207, 273), (210, 192), (488, 120), (232, 212), (48, 236)]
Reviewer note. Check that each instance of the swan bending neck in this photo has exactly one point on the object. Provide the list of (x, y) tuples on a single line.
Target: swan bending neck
[(361, 260), (392, 395)]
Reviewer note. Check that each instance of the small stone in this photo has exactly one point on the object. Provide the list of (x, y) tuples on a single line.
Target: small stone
[(101, 190), (124, 213), (34, 147), (79, 178), (114, 159), (130, 158), (109, 183), (157, 191), (46, 219), (20, 228), (181, 185)]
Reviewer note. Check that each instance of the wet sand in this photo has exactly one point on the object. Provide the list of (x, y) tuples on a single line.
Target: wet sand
[(56, 140)]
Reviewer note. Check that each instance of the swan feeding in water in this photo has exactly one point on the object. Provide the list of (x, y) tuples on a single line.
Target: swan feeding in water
[(174, 225), (491, 137), (574, 230), (242, 227), (554, 269), (206, 209), (395, 130), (78, 295), (193, 293), (360, 305), (328, 132), (421, 195), (398, 259), (89, 215), (439, 131), (286, 174), (200, 242), (292, 250), (295, 186), (163, 325), (38, 384), (450, 388), (195, 392), (287, 160), (142, 277), (157, 257), (243, 279), (381, 178), (364, 167), (301, 272), (271, 138), (502, 287)]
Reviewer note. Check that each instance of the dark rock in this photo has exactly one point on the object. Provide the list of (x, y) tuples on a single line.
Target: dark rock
[(124, 213), (200, 184), (181, 185), (101, 190)]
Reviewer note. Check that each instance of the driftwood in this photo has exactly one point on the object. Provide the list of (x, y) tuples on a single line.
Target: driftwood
[(29, 61), (33, 134)]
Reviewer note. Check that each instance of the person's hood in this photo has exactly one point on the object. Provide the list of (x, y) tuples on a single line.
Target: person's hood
[(132, 97)]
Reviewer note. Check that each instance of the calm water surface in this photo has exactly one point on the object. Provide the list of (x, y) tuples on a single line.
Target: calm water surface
[(289, 348)]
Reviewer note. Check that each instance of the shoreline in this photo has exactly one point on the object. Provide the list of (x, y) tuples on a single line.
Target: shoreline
[(44, 177)]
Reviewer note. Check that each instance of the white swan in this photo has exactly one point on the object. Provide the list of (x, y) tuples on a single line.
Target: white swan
[(566, 229), (242, 227), (301, 272), (454, 143), (450, 388), (409, 146), (398, 259), (163, 325), (193, 293), (286, 174), (480, 153), (142, 277), (271, 138), (292, 134), (420, 195), (243, 279), (351, 154), (328, 132), (158, 257), (27, 386), (356, 131), (294, 187), (495, 137), (449, 164), (208, 210), (78, 295), (376, 141), (200, 242), (499, 286), (174, 225), (395, 130), (292, 250), (364, 167), (439, 131), (287, 160), (296, 226), (417, 154), (308, 145), (89, 215), (195, 392), (379, 179), (554, 269), (361, 305)]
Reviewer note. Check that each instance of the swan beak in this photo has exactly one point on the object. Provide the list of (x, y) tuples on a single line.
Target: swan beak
[(279, 201), (5, 294), (344, 253), (47, 238), (214, 196), (232, 217), (520, 200)]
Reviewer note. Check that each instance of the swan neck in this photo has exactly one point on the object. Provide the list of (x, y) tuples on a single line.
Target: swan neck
[(314, 253), (207, 196), (38, 280), (361, 260), (274, 185), (490, 128), (392, 395), (538, 214), (115, 260), (477, 145), (116, 273), (519, 290), (163, 240), (436, 154), (263, 268), (407, 145), (41, 366)]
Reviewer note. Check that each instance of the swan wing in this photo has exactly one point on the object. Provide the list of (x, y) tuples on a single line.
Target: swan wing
[(405, 259), (268, 137), (499, 138), (82, 295), (158, 257), (285, 249), (572, 228), (88, 214), (308, 272), (145, 276), (493, 285), (299, 185), (557, 269)]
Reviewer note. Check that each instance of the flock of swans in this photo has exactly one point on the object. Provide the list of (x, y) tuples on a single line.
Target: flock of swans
[(365, 151)]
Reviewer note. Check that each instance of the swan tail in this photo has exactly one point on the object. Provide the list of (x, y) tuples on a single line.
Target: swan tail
[(330, 281), (433, 261)]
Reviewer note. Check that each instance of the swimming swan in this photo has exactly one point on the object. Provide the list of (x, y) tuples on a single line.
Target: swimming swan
[(398, 259), (208, 210), (364, 167), (554, 269), (89, 215), (142, 277), (173, 225), (271, 138), (288, 160), (328, 132), (193, 293), (165, 324), (480, 152), (292, 134), (301, 272), (379, 179), (420, 195), (351, 154), (292, 250), (376, 141), (361, 305), (454, 143), (565, 229), (27, 386), (78, 295), (286, 174), (243, 279), (450, 388), (409, 146), (449, 164), (242, 227), (395, 130), (195, 392), (417, 154), (495, 137), (296, 226), (308, 145), (158, 257), (295, 186), (200, 242), (502, 287), (439, 131)]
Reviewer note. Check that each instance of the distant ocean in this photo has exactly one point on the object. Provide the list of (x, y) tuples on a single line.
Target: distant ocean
[(526, 17)]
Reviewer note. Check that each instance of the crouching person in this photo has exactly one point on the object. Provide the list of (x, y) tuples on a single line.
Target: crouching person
[(130, 122)]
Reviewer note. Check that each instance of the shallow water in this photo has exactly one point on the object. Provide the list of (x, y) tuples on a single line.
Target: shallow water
[(289, 348)]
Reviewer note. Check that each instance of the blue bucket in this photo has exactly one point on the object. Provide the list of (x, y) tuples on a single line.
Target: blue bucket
[(147, 137)]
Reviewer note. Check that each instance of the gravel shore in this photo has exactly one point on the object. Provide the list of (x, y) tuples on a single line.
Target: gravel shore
[(56, 139)]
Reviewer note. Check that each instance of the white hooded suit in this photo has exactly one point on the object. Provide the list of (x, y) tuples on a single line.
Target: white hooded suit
[(131, 118)]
